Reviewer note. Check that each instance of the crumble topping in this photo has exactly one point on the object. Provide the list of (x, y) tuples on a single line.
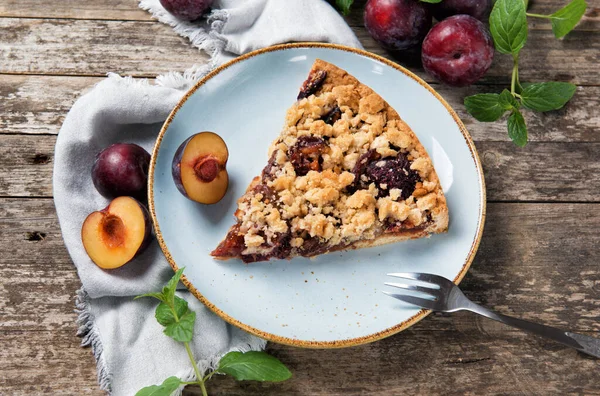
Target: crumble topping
[(344, 168)]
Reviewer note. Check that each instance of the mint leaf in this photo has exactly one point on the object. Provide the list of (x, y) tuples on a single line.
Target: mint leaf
[(164, 313), (484, 107), (256, 366), (158, 296), (168, 386), (344, 6), (183, 330), (565, 19), (547, 96), (517, 130), (508, 101), (171, 286), (432, 1), (508, 25)]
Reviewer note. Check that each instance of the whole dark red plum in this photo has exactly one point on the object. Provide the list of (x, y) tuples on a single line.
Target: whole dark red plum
[(458, 51), (188, 10), (479, 9), (122, 170), (397, 24)]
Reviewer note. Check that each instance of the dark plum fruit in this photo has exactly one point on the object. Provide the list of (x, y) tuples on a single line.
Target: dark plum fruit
[(122, 170), (397, 24), (188, 10), (199, 168), (479, 9), (113, 236), (458, 51)]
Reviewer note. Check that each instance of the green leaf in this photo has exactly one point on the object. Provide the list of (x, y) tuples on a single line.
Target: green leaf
[(547, 96), (344, 6), (517, 130), (565, 19), (183, 330), (484, 107), (171, 286), (168, 386), (164, 313), (255, 366), (508, 25), (158, 296), (432, 1), (508, 101)]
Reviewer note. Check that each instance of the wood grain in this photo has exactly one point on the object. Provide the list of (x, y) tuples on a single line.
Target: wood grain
[(75, 9), (539, 172), (38, 104), (537, 260), (589, 22), (38, 279), (520, 270), (91, 48)]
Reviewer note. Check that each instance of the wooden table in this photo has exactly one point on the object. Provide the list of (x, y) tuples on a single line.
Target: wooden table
[(538, 258)]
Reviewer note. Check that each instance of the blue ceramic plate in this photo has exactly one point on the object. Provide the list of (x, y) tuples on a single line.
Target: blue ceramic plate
[(334, 300)]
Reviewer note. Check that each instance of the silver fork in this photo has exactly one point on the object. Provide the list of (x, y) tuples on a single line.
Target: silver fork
[(449, 298)]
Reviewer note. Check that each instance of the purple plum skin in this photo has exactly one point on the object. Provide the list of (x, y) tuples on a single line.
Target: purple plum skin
[(479, 9), (122, 170), (458, 50), (176, 166), (397, 24), (147, 231), (187, 10)]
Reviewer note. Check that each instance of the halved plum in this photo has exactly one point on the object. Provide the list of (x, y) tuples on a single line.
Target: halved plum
[(113, 236), (199, 168)]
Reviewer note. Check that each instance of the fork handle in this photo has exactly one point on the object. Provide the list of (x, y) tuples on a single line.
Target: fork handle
[(583, 343)]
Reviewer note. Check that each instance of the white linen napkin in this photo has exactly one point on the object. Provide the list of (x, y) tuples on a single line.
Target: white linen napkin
[(130, 349)]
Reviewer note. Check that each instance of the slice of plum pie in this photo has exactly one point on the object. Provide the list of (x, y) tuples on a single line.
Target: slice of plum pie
[(346, 172)]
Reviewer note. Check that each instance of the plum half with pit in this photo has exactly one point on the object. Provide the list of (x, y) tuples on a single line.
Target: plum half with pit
[(458, 51), (479, 9), (113, 236), (199, 168), (122, 170), (397, 24), (188, 10)]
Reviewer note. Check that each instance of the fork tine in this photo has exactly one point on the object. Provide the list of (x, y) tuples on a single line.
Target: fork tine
[(420, 302), (429, 278), (421, 289)]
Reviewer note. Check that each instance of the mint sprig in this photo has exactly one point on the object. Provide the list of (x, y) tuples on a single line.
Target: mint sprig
[(178, 320), (508, 25), (565, 19), (344, 6)]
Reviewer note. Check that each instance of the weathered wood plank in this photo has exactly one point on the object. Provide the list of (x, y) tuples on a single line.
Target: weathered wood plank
[(538, 172), (38, 104), (82, 47), (589, 22), (544, 58), (417, 361), (128, 10), (46, 363), (520, 269), (74, 9), (91, 48)]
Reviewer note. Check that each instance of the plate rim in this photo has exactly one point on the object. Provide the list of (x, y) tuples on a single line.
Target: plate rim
[(292, 341)]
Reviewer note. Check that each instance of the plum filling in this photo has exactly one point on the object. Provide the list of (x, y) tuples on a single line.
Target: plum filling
[(113, 231), (312, 84), (232, 245), (386, 173), (334, 115), (305, 155)]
